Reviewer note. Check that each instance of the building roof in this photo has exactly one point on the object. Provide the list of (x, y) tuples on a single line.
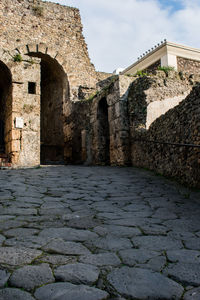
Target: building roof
[(166, 50)]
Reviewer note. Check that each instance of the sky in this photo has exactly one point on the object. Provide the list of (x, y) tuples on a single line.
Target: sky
[(119, 31)]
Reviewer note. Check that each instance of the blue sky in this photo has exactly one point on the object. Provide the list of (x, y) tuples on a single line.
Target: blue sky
[(174, 5), (118, 31)]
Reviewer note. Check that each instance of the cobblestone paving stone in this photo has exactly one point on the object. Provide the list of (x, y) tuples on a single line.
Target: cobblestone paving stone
[(95, 233)]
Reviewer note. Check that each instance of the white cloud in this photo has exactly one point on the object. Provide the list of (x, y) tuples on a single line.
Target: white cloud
[(117, 31)]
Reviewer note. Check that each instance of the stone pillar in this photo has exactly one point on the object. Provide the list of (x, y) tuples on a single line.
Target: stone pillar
[(24, 143)]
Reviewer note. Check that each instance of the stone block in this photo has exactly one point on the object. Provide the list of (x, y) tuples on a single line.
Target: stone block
[(15, 134), (15, 146)]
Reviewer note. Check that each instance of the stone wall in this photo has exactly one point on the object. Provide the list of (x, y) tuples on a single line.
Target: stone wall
[(153, 68), (160, 90), (59, 27), (22, 141), (97, 128), (188, 65), (164, 146), (41, 46), (117, 132)]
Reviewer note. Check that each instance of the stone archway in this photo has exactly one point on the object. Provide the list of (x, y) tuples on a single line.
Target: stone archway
[(5, 106), (54, 90), (103, 132)]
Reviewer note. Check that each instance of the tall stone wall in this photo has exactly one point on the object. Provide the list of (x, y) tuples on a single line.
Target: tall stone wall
[(97, 128), (151, 96), (42, 46), (169, 145), (59, 27), (118, 127)]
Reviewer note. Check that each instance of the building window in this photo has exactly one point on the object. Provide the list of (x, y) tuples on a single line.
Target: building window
[(32, 87)]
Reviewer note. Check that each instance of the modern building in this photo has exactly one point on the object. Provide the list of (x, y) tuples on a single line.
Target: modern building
[(167, 54)]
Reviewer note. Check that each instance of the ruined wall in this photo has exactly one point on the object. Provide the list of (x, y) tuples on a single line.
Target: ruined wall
[(51, 35), (154, 147), (115, 95), (99, 134), (59, 27), (22, 142), (160, 91), (171, 146), (188, 65), (154, 67), (76, 121)]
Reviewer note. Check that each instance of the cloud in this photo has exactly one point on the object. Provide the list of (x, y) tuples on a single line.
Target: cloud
[(118, 31)]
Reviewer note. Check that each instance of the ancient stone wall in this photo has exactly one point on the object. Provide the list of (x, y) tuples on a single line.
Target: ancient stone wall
[(45, 52), (117, 131), (164, 146), (188, 65), (59, 27), (171, 146), (97, 128), (153, 68), (160, 91)]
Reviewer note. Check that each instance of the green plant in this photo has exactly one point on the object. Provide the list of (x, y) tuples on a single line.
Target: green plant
[(38, 10), (17, 58), (141, 73), (92, 96), (166, 69)]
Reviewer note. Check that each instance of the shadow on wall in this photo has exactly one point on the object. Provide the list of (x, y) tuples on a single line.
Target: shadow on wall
[(5, 107), (54, 93), (103, 132)]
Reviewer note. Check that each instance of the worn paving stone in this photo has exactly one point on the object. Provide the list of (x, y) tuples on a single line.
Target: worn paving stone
[(69, 291), (69, 248), (193, 294), (158, 243), (30, 277), (17, 256), (16, 211), (21, 232), (132, 257), (83, 223), (34, 242), (186, 273), (68, 234), (144, 284), (2, 239), (4, 276), (56, 260), (101, 259), (156, 264), (184, 256), (11, 224), (154, 229), (111, 243), (121, 231), (77, 273), (14, 294), (192, 243), (165, 214)]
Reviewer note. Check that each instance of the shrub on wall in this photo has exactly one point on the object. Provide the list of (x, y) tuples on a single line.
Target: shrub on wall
[(38, 10)]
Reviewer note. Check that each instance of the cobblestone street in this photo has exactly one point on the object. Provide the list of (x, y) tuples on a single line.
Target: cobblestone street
[(94, 233)]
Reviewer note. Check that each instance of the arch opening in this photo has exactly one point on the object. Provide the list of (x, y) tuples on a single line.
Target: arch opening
[(103, 132), (54, 90), (5, 106)]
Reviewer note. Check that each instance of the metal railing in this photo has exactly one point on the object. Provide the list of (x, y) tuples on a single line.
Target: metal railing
[(168, 143)]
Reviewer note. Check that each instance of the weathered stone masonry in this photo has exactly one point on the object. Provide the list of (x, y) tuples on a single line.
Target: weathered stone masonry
[(170, 143), (42, 49)]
